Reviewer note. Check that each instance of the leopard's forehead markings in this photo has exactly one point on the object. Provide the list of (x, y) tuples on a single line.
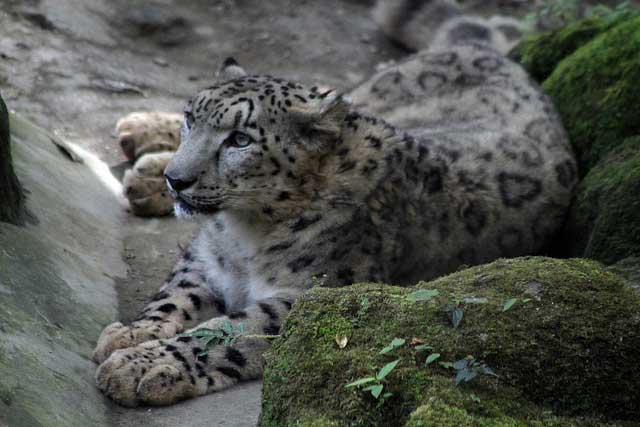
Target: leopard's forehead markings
[(276, 95)]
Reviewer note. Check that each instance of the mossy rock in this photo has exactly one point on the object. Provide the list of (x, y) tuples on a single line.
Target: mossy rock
[(570, 350), (604, 222), (591, 69), (629, 270), (540, 53)]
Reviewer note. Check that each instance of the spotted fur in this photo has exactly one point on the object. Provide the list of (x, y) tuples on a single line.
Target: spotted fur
[(451, 157)]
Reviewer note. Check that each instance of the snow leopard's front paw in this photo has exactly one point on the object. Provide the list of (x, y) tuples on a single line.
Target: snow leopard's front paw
[(148, 132), (145, 186), (118, 336), (155, 373)]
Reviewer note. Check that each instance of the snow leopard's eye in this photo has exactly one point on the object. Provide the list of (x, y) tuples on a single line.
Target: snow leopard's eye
[(239, 139)]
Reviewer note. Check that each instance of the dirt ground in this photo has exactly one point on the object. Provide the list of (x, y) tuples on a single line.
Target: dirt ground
[(76, 66)]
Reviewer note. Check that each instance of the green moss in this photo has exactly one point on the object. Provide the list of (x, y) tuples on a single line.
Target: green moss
[(596, 91), (605, 219), (539, 54), (572, 348)]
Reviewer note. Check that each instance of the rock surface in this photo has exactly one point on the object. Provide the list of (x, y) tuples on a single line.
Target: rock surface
[(56, 286), (568, 345)]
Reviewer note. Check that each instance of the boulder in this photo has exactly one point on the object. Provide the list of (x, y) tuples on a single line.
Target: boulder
[(604, 222), (561, 336), (12, 207)]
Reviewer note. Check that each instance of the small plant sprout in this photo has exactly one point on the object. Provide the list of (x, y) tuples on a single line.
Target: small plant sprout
[(423, 347), (225, 335), (455, 312), (397, 342), (375, 386), (508, 304), (469, 368), (432, 358), (423, 295)]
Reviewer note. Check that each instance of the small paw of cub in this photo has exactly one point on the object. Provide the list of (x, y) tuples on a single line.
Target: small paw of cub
[(118, 336), (142, 133), (145, 187), (149, 140)]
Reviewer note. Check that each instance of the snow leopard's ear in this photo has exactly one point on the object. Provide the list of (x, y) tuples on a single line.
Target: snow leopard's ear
[(230, 70), (320, 119)]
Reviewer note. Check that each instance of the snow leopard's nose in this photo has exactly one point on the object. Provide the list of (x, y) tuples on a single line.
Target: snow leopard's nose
[(178, 184)]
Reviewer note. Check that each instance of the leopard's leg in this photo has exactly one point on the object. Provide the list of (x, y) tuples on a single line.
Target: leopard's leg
[(162, 372), (185, 300)]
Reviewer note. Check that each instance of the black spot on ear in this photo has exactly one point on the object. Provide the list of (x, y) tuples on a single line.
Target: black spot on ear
[(230, 61), (184, 339), (169, 347), (235, 357)]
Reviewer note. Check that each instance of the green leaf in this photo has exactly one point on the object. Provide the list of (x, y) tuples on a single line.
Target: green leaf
[(456, 317), (475, 398), (386, 369), (423, 347), (471, 374), (508, 304), (446, 365), (461, 364), (397, 342), (375, 390), (227, 327), (526, 300), (432, 358), (423, 295), (460, 376), (488, 371), (361, 381)]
